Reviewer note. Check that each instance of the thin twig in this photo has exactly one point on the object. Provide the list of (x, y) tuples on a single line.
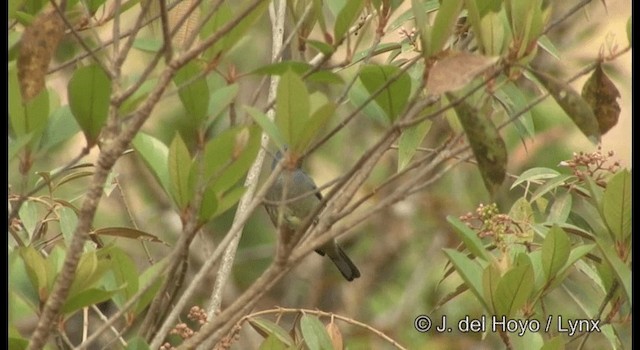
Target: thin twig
[(15, 208), (330, 315), (128, 305), (565, 16), (80, 40), (166, 36)]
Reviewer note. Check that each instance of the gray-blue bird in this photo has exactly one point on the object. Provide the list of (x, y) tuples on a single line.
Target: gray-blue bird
[(301, 187)]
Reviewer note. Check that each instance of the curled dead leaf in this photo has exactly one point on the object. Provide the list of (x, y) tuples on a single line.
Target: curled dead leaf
[(456, 70), (602, 95), (37, 47)]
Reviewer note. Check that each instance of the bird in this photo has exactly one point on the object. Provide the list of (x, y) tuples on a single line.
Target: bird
[(299, 196)]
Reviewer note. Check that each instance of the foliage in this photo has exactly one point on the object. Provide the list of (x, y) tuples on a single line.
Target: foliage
[(138, 130), (549, 234)]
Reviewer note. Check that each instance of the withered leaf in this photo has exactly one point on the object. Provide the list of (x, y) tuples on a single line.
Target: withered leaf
[(335, 335), (487, 144), (602, 95), (573, 104), (453, 72), (37, 47)]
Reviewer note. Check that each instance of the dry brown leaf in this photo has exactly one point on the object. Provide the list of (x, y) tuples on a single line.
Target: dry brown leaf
[(37, 47), (335, 335), (573, 104), (453, 72), (188, 27), (602, 95)]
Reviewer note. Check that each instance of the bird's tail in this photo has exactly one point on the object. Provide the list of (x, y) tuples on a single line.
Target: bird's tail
[(347, 268)]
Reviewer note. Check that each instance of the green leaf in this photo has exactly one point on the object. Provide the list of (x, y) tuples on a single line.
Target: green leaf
[(267, 328), (29, 216), (280, 68), (127, 232), (549, 186), (124, 276), (268, 126), (514, 101), (225, 16), (490, 278), (422, 24), (555, 343), (209, 205), (555, 251), (573, 104), (495, 33), (514, 289), (90, 270), (592, 218), (410, 140), (358, 96), (522, 213), (616, 205), (13, 6), (17, 144), (224, 203), (89, 92), (137, 343), (179, 162), (155, 154), (17, 343), (443, 25), (85, 298), (272, 343), (325, 77), (621, 270), (60, 128), (535, 174), (346, 18), (93, 5), (26, 117), (488, 146), (421, 7), (561, 208), (526, 22), (37, 271), (229, 156), (576, 254), (221, 98), (470, 238), (145, 278), (292, 108), (68, 223), (193, 90), (380, 49), (314, 126), (314, 333), (395, 85), (321, 47), (470, 272), (546, 44), (596, 192)]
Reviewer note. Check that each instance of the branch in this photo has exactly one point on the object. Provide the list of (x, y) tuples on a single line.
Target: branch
[(112, 150), (333, 316), (277, 17), (109, 323)]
